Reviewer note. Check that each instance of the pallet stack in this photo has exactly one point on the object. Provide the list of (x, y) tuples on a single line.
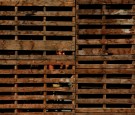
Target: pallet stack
[(37, 64), (67, 57), (105, 51)]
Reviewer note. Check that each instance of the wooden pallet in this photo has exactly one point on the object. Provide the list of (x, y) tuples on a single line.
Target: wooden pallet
[(34, 78), (105, 57)]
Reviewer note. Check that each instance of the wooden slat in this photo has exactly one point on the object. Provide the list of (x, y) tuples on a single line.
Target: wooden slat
[(105, 22), (106, 101), (100, 110), (56, 97), (47, 33), (62, 89), (111, 51), (36, 45), (36, 57), (106, 57), (25, 71), (60, 80), (33, 62), (105, 71), (105, 2), (38, 3), (107, 31), (110, 80), (110, 113), (30, 106), (106, 41), (106, 12), (60, 113), (107, 66), (59, 106), (105, 91)]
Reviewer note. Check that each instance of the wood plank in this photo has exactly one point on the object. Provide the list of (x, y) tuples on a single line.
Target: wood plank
[(105, 91), (36, 45), (37, 57), (9, 97), (30, 97), (62, 89), (60, 113), (106, 101), (36, 62), (110, 80), (105, 1), (105, 41), (107, 31), (106, 66), (105, 71), (47, 33), (106, 57), (60, 80), (30, 106), (38, 3), (105, 12), (110, 51), (25, 71), (59, 106), (105, 22), (28, 113), (56, 97), (108, 113), (100, 110)]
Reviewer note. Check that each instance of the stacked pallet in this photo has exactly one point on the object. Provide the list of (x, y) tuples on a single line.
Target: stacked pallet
[(37, 64), (105, 64)]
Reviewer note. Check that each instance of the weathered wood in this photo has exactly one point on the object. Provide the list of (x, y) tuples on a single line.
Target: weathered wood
[(105, 2), (36, 45), (106, 21), (107, 66), (105, 12), (38, 3), (105, 71), (105, 91), (106, 57), (59, 106), (36, 62), (110, 80), (100, 110), (62, 89), (35, 57), (57, 97), (110, 113), (106, 41), (60, 113), (102, 101), (30, 32), (110, 51), (60, 80), (107, 31)]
